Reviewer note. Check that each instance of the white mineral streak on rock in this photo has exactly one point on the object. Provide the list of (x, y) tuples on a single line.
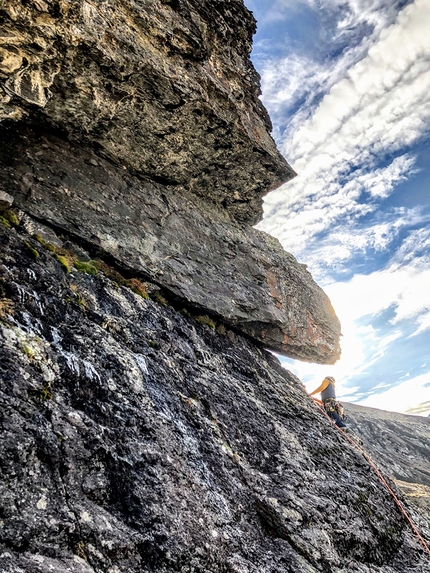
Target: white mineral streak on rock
[(72, 362), (86, 517), (42, 503), (141, 362), (90, 371), (6, 201)]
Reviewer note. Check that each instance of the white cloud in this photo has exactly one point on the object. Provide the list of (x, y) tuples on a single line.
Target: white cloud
[(297, 221), (401, 288), (379, 107), (299, 75), (416, 247), (404, 289), (403, 397)]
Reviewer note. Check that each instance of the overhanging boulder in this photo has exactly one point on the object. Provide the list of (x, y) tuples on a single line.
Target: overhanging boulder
[(186, 245)]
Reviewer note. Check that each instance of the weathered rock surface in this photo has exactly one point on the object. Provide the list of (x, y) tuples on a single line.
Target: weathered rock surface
[(6, 201), (135, 439), (401, 443), (189, 247), (418, 500), (164, 87)]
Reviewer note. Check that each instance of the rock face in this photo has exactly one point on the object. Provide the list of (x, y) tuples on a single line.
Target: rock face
[(418, 499), (137, 439), (164, 87), (6, 201), (184, 244), (155, 434), (400, 443), (401, 446), (136, 127)]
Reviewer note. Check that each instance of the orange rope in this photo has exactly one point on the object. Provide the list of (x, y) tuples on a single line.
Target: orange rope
[(378, 473)]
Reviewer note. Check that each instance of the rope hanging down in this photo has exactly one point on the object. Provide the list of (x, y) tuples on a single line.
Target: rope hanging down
[(380, 476)]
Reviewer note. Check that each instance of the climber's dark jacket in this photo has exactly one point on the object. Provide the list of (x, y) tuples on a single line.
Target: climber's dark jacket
[(328, 392)]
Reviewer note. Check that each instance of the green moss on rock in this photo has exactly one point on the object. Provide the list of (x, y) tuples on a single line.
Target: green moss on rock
[(11, 217), (64, 262), (87, 267), (4, 222), (205, 320), (32, 251)]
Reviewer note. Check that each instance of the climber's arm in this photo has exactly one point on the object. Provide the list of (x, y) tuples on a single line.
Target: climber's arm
[(321, 387)]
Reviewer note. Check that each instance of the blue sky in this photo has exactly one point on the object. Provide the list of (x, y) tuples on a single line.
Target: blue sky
[(347, 85)]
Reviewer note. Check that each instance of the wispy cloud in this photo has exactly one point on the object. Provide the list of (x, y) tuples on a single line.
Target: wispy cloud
[(404, 397), (323, 223), (379, 109), (401, 288), (344, 243), (296, 75), (345, 16)]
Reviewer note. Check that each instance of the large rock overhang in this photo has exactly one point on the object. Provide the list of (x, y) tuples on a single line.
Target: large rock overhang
[(161, 154), (185, 244)]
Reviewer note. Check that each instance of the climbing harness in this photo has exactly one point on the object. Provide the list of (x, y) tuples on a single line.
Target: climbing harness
[(332, 405), (380, 476)]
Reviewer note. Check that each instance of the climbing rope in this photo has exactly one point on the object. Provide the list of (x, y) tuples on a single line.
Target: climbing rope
[(378, 473)]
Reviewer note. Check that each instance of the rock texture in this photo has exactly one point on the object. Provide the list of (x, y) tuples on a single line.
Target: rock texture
[(418, 500), (136, 127), (184, 244), (401, 446), (6, 201), (136, 439), (400, 443), (164, 87)]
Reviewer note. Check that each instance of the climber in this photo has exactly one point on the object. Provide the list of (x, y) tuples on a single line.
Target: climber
[(328, 396)]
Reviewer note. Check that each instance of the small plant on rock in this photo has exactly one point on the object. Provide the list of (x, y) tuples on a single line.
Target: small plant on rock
[(11, 218), (64, 262), (28, 351), (158, 297), (80, 550), (32, 252), (46, 393), (221, 329), (87, 267), (205, 320), (138, 287), (6, 308), (109, 272), (4, 221)]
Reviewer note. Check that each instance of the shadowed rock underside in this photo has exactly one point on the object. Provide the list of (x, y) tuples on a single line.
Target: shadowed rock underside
[(186, 245)]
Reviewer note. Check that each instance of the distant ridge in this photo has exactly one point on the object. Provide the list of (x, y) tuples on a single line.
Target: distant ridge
[(422, 409)]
